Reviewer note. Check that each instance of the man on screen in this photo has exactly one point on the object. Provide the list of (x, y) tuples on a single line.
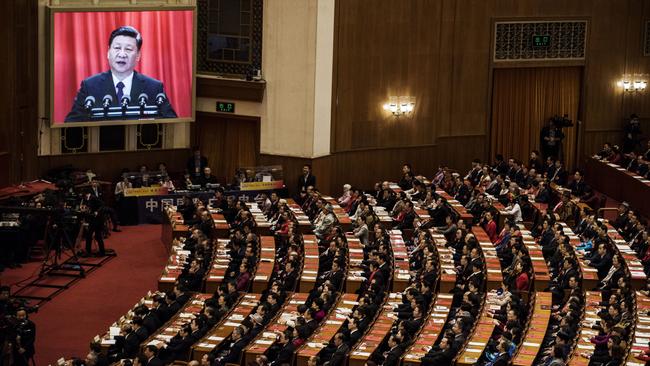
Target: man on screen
[(121, 81)]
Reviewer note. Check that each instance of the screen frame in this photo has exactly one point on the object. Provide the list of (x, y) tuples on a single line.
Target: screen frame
[(53, 9)]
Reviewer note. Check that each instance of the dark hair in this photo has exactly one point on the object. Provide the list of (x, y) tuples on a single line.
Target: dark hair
[(128, 31), (137, 320), (151, 348)]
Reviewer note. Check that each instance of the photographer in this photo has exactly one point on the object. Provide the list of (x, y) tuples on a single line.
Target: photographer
[(551, 138), (94, 216), (19, 335), (632, 139)]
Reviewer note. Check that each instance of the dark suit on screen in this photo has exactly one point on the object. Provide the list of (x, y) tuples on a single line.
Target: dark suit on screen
[(101, 84)]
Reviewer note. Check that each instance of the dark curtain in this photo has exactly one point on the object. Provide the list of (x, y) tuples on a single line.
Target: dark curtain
[(524, 99)]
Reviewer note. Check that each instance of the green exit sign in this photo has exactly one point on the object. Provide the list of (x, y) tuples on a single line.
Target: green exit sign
[(225, 107), (541, 40)]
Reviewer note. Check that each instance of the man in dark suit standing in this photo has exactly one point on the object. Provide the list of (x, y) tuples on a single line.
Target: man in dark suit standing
[(306, 179), (95, 218), (122, 80), (196, 165)]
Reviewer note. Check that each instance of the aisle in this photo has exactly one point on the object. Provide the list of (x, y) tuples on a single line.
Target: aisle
[(67, 324)]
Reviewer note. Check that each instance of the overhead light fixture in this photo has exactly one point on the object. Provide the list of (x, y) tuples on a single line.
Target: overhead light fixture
[(400, 105)]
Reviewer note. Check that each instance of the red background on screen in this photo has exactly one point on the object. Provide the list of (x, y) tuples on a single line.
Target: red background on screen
[(81, 46)]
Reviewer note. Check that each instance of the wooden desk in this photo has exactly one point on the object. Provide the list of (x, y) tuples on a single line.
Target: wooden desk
[(221, 226), (589, 274), (478, 340), (341, 214), (638, 337), (106, 340), (175, 264), (266, 264), (183, 317), (401, 276), (492, 263), (446, 259), (327, 330), (638, 278), (503, 215), (310, 265), (541, 276), (354, 278), (461, 211), (370, 342), (304, 225), (218, 267), (262, 224), (430, 332), (534, 336), (585, 333), (172, 228), (619, 184), (267, 337), (224, 329)]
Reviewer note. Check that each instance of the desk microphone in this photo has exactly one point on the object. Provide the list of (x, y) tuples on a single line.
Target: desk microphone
[(106, 101), (126, 99), (89, 103), (160, 99), (142, 100)]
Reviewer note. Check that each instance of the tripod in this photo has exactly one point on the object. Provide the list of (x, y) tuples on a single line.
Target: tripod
[(58, 241)]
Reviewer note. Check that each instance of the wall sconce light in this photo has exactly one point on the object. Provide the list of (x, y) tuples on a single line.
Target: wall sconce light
[(400, 105), (633, 83)]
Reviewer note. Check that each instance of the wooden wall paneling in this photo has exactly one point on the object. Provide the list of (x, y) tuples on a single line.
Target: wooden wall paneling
[(18, 92), (292, 169), (109, 165), (636, 63), (593, 141), (470, 68), (381, 54), (605, 65), (8, 133), (5, 161), (363, 168), (217, 87)]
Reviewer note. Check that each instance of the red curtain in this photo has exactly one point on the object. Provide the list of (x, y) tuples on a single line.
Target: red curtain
[(81, 45)]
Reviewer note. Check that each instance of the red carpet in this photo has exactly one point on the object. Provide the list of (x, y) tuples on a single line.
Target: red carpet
[(66, 325)]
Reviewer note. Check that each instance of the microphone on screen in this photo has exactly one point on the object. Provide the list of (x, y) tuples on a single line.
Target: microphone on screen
[(106, 101), (89, 103), (126, 99), (160, 99), (142, 100)]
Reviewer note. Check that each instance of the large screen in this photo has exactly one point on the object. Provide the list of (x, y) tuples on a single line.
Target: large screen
[(120, 67)]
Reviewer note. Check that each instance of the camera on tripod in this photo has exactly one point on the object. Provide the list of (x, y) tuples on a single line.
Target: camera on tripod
[(563, 121)]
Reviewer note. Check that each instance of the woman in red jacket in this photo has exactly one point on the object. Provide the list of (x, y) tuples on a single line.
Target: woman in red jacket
[(521, 279)]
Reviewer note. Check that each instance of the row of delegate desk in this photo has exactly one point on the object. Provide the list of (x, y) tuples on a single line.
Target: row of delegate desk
[(541, 301), (309, 349), (619, 184)]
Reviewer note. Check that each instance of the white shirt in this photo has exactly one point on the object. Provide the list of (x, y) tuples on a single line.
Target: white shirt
[(128, 82), (514, 210)]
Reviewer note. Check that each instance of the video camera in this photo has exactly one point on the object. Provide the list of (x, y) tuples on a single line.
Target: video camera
[(563, 121)]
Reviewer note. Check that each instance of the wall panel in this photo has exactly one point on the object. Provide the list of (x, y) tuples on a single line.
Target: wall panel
[(440, 52), (109, 165)]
